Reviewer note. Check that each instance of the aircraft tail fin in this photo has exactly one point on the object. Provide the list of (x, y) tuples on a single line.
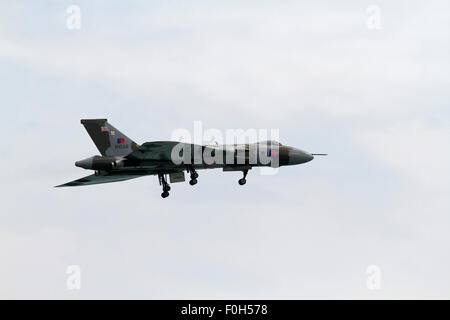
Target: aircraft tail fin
[(108, 140)]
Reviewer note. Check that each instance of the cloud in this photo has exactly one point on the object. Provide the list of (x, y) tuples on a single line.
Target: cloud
[(416, 149), (255, 62)]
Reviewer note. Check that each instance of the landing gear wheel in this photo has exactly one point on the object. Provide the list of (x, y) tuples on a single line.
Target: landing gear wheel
[(193, 182), (165, 194), (242, 181), (165, 185), (194, 174)]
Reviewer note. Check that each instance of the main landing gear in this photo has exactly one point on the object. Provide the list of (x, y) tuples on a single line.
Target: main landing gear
[(194, 176), (242, 181), (165, 185)]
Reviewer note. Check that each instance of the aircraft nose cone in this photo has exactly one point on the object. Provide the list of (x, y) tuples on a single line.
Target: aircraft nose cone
[(297, 156)]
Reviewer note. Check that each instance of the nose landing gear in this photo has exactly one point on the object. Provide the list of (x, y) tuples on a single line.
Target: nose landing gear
[(242, 181)]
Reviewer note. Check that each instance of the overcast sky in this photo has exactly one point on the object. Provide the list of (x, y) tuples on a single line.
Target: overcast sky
[(376, 100)]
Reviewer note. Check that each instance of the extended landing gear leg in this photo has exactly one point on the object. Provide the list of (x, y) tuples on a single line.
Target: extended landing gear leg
[(194, 176), (242, 181), (165, 185)]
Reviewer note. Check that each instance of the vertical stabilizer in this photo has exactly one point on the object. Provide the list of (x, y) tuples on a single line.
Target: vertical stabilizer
[(108, 140)]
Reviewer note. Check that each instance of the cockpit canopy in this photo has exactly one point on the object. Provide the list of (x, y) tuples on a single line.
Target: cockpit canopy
[(271, 142)]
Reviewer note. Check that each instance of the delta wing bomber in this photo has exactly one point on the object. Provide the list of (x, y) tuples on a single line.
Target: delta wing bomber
[(123, 159)]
